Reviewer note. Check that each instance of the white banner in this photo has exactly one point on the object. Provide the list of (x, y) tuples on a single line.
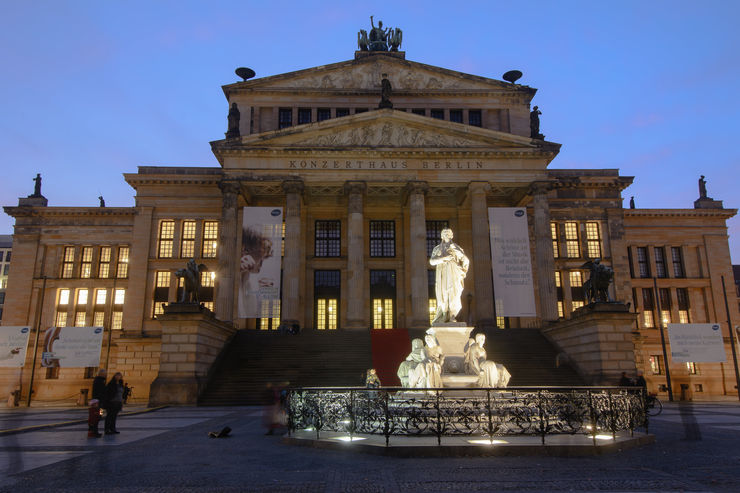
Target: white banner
[(511, 262), (697, 343), (13, 344), (72, 347), (259, 282)]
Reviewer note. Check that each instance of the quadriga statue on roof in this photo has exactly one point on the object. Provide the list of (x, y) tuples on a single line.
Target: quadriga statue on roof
[(379, 39)]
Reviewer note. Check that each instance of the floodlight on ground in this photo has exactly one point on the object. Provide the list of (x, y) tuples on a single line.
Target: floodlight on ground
[(349, 439), (487, 442), (604, 437)]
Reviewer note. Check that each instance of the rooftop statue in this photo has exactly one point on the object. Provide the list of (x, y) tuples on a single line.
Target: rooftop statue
[(37, 186), (702, 187), (233, 129), (596, 289), (379, 39), (451, 266), (191, 274), (102, 201), (385, 93), (534, 124)]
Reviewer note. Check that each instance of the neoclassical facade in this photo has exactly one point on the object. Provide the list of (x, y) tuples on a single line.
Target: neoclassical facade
[(365, 193)]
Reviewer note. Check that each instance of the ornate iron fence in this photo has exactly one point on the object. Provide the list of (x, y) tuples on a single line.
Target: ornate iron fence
[(490, 412)]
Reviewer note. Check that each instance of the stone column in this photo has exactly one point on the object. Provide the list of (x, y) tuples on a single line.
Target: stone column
[(138, 269), (290, 305), (545, 262), (481, 258), (356, 285), (227, 255), (416, 253)]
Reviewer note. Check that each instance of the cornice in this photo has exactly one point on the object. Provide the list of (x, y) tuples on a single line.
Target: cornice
[(387, 152), (15, 211), (721, 213)]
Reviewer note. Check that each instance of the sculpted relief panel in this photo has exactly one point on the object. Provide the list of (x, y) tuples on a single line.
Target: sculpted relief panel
[(387, 134)]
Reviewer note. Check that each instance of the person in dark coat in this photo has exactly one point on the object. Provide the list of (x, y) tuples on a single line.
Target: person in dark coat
[(113, 403), (98, 394), (625, 381)]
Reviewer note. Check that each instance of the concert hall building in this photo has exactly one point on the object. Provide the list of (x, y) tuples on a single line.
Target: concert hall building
[(364, 193)]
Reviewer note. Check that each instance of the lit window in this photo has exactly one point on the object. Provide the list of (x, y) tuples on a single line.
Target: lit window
[(382, 313), (60, 319), (571, 240), (86, 265), (210, 239), (166, 237), (558, 279), (656, 364), (207, 279), (647, 319), (648, 305), (119, 296), (104, 265), (561, 310), (432, 309), (691, 367), (100, 296), (577, 304), (69, 262), (161, 291), (554, 235), (122, 266), (501, 322), (98, 319), (576, 279), (80, 319), (208, 305), (593, 239), (117, 320), (187, 242), (63, 297), (682, 297), (269, 315), (82, 296)]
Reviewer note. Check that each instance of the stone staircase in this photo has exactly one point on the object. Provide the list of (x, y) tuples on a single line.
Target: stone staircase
[(310, 359), (529, 357)]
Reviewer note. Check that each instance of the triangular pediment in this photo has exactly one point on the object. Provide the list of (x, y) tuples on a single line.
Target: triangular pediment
[(386, 129), (365, 74)]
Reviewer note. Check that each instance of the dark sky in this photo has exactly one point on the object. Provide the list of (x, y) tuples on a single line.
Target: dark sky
[(91, 90)]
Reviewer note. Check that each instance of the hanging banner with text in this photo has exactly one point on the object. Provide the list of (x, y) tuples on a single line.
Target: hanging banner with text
[(72, 347), (511, 262), (259, 266), (13, 344), (696, 343)]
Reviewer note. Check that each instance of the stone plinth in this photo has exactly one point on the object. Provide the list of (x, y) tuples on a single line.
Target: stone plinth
[(33, 201), (597, 340), (707, 203), (452, 338), (192, 339)]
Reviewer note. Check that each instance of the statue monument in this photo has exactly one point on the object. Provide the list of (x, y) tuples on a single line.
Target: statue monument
[(379, 39), (534, 124), (191, 274), (37, 186), (451, 267), (596, 288), (702, 187), (385, 93), (234, 116), (489, 373)]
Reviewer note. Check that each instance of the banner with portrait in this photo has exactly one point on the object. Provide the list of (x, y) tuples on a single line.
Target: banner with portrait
[(511, 262), (72, 347), (259, 264), (696, 343), (13, 344)]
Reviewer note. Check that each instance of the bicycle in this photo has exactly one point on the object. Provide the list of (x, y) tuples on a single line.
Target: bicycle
[(653, 406)]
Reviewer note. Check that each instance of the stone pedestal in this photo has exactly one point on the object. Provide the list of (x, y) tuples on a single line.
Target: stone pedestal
[(192, 339), (452, 338), (597, 340)]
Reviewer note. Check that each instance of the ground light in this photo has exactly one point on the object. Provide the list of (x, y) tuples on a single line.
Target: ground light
[(348, 438), (487, 442), (604, 437)]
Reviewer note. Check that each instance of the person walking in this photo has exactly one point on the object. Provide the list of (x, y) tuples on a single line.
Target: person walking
[(113, 403), (98, 394)]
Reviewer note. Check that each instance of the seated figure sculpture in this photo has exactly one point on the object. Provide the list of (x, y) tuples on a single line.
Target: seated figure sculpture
[(490, 373), (413, 370), (435, 360)]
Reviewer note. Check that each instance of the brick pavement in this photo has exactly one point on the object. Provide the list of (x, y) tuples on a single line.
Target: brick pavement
[(697, 449)]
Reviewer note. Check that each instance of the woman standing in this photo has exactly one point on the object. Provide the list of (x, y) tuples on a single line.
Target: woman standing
[(113, 403)]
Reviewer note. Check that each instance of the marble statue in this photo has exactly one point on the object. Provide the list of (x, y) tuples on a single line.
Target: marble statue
[(413, 370), (596, 288), (490, 373), (233, 128), (452, 266), (435, 360), (191, 274)]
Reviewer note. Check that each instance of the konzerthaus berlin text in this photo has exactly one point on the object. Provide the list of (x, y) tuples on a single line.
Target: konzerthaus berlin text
[(361, 194)]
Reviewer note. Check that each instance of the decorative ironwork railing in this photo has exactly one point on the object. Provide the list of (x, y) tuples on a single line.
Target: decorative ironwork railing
[(489, 412)]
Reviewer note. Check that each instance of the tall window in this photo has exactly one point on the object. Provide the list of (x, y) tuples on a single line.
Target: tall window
[(677, 262), (68, 263), (382, 238), (117, 315), (691, 367), (642, 262), (81, 308), (342, 112), (323, 114), (269, 315), (161, 291), (648, 305), (554, 236), (210, 239), (122, 265), (104, 264), (456, 116), (660, 270), (559, 290), (205, 295), (665, 305), (474, 118), (434, 231), (576, 289), (572, 248), (304, 115), (187, 241), (593, 239), (166, 237), (101, 295), (327, 239), (60, 319), (682, 297), (431, 285), (438, 114), (326, 298), (86, 264), (656, 364), (285, 117), (383, 296)]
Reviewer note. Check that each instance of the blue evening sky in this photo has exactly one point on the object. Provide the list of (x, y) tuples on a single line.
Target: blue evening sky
[(91, 90)]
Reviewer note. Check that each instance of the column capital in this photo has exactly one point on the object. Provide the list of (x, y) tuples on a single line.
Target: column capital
[(417, 186), (540, 187), (352, 187), (293, 186), (479, 187), (229, 186)]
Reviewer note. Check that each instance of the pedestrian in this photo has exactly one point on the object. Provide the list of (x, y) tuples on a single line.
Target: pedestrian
[(640, 381), (113, 403), (98, 394), (625, 381), (93, 417)]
